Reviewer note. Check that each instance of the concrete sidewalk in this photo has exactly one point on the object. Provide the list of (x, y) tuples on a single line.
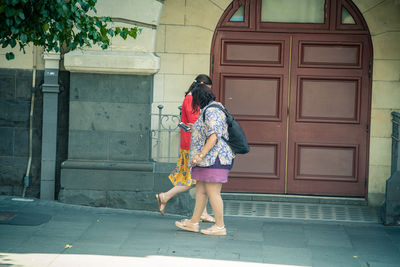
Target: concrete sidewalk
[(49, 233)]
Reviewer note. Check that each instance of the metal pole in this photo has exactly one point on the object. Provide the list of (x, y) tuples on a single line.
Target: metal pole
[(160, 107)]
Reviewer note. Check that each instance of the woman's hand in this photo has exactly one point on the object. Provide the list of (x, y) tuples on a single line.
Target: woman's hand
[(197, 159), (211, 141), (190, 126)]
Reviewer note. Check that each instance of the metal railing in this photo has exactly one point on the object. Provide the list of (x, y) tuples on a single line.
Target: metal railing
[(167, 126)]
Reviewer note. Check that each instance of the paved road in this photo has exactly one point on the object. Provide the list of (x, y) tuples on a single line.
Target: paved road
[(48, 233)]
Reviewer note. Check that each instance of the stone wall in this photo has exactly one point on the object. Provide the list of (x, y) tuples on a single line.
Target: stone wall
[(109, 136), (383, 20), (183, 44), (109, 117), (109, 163), (15, 105)]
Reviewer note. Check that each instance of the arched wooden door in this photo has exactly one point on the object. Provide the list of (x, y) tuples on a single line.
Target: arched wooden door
[(301, 91)]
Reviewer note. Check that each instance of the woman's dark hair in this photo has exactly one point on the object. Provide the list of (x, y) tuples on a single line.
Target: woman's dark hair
[(200, 79), (202, 95)]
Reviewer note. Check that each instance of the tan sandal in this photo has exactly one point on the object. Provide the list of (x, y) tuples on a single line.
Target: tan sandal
[(207, 218), (187, 225), (214, 230), (161, 201)]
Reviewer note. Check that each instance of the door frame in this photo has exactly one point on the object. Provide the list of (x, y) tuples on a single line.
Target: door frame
[(332, 25)]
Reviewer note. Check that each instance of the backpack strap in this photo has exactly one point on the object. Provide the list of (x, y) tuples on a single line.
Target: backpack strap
[(214, 106), (228, 116)]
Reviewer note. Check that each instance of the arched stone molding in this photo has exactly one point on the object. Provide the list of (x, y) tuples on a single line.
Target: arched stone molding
[(384, 25)]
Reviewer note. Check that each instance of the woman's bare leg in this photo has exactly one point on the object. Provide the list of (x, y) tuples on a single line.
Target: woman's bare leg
[(172, 192), (177, 190), (201, 202), (214, 194)]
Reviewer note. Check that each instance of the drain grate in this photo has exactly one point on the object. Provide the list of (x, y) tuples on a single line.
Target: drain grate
[(284, 210)]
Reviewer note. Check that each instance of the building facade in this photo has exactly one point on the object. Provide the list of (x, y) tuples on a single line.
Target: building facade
[(313, 87)]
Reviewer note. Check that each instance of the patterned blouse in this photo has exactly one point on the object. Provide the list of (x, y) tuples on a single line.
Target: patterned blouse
[(215, 122)]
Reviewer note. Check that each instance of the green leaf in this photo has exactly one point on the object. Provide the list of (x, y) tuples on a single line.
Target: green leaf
[(46, 27), (65, 8), (21, 15), (133, 33), (5, 43), (14, 30), (9, 12), (9, 22), (103, 31), (23, 37), (17, 20), (72, 46), (13, 43), (111, 32), (10, 55), (59, 26), (22, 47)]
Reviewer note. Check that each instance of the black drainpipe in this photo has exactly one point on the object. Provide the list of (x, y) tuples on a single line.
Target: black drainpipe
[(50, 90)]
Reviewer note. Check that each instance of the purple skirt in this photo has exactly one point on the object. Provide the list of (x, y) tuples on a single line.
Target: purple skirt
[(216, 173)]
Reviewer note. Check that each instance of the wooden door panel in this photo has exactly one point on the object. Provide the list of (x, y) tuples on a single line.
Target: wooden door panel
[(326, 162), (248, 53), (249, 164), (328, 139), (330, 54), (328, 100), (263, 96), (250, 78)]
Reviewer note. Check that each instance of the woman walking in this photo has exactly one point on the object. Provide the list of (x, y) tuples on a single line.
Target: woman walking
[(211, 160), (180, 177)]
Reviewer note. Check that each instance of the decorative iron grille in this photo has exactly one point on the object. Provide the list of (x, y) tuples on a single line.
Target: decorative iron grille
[(166, 129)]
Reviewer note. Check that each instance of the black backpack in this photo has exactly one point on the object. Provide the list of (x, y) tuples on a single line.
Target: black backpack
[(237, 139)]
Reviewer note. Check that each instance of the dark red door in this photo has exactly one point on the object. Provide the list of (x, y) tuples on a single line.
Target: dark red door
[(301, 91), (329, 107), (252, 80), (322, 146)]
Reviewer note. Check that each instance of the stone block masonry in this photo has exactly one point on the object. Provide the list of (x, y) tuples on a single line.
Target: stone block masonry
[(109, 150), (15, 101)]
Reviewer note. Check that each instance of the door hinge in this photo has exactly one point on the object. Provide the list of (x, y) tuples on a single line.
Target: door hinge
[(212, 64), (370, 69), (367, 128)]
